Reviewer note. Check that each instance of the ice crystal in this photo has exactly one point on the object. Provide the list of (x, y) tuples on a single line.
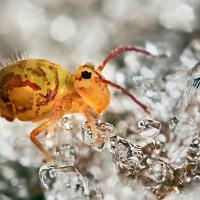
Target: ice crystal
[(99, 136), (63, 179), (149, 128), (126, 154)]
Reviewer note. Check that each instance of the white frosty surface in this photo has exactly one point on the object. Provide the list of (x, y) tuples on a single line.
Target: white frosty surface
[(15, 143)]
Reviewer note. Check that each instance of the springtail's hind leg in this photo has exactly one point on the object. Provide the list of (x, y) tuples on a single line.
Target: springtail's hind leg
[(40, 147)]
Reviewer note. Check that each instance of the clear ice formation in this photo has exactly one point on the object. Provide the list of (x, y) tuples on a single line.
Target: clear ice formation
[(63, 180), (60, 182), (185, 128), (149, 128), (126, 154), (100, 138), (193, 81)]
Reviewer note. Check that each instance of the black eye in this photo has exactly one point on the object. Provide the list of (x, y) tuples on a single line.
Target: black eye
[(86, 74)]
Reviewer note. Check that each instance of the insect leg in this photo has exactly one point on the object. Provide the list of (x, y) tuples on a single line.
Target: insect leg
[(40, 147), (88, 116)]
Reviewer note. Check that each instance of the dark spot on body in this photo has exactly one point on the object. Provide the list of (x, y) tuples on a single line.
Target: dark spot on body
[(38, 72), (52, 68), (50, 94)]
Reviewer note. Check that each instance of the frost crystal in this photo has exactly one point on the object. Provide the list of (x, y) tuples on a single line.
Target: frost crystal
[(63, 180), (99, 136), (126, 154), (149, 128)]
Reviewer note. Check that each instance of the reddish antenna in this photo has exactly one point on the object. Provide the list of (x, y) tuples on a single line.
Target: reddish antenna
[(121, 50)]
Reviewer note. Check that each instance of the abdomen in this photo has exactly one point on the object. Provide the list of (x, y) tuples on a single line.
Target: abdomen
[(28, 89)]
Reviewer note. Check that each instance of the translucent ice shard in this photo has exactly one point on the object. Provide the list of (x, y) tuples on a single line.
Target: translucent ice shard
[(67, 123), (178, 147), (149, 128), (191, 87), (97, 135), (64, 159), (61, 182), (193, 82), (68, 183), (64, 181), (126, 154)]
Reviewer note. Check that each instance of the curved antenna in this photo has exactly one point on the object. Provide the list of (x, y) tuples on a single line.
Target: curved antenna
[(144, 107), (121, 50)]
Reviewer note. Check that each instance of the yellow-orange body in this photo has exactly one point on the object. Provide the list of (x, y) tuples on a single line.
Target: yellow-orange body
[(34, 90)]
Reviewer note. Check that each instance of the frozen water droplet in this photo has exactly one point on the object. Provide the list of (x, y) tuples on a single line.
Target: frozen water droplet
[(173, 122), (67, 123), (126, 154), (196, 178), (149, 128), (97, 135)]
